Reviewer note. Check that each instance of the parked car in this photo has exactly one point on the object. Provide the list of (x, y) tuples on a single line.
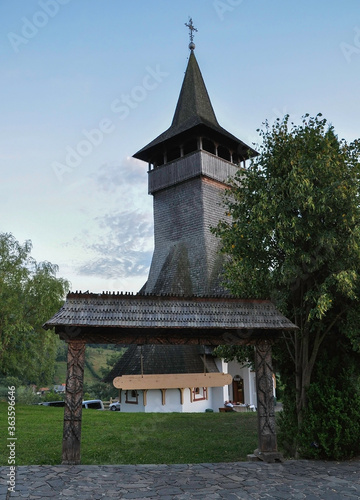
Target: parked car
[(115, 406), (53, 403), (93, 404)]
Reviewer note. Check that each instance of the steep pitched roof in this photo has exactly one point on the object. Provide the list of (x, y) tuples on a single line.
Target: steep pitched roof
[(194, 101), (160, 359), (193, 109)]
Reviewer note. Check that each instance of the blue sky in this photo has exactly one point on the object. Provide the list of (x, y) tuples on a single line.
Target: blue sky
[(87, 83)]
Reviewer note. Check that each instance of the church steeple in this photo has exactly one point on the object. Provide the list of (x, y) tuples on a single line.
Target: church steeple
[(194, 117), (194, 105), (189, 167)]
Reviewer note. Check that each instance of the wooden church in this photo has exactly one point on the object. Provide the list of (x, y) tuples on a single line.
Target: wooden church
[(184, 302), (189, 167)]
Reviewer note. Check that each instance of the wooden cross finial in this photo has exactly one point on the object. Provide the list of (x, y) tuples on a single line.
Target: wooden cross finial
[(191, 29)]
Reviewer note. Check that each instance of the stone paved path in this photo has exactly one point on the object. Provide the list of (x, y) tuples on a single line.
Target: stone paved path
[(242, 480)]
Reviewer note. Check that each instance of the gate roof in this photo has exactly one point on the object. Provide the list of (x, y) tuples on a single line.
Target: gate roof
[(145, 319)]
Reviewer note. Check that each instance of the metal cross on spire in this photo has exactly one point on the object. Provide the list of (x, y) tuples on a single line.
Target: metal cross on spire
[(191, 33)]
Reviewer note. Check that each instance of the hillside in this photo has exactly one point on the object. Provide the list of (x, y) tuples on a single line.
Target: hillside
[(96, 358)]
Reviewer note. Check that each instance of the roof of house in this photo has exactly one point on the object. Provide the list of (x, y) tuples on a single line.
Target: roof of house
[(193, 109), (160, 359)]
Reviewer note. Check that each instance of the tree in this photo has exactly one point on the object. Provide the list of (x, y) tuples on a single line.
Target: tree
[(30, 294), (293, 235)]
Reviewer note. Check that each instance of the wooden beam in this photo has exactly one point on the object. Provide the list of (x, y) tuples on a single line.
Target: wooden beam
[(181, 389), (73, 402), (173, 381), (170, 336), (145, 397)]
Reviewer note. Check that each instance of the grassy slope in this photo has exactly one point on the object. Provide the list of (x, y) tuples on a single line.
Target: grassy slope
[(96, 357), (131, 438)]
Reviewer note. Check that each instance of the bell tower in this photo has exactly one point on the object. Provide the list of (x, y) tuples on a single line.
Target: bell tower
[(189, 167)]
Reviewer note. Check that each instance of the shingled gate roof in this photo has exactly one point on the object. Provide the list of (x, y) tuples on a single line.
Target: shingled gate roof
[(146, 319)]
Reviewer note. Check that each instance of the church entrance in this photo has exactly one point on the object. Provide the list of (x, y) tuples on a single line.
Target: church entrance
[(238, 390)]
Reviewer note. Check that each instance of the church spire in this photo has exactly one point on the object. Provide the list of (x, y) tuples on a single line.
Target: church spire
[(194, 117), (194, 105)]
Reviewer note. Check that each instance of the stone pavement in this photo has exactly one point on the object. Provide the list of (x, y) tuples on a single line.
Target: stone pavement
[(241, 480)]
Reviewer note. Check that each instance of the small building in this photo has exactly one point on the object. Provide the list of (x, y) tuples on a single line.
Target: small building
[(170, 360), (60, 388)]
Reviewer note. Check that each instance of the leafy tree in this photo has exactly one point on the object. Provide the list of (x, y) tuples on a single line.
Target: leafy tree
[(293, 235), (30, 294)]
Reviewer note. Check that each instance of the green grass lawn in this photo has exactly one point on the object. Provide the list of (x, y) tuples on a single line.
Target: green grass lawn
[(132, 438)]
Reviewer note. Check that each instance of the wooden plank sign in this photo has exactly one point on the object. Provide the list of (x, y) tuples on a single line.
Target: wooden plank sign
[(172, 381)]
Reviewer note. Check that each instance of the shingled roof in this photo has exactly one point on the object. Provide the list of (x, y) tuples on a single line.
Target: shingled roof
[(160, 359), (164, 312), (193, 109), (149, 319)]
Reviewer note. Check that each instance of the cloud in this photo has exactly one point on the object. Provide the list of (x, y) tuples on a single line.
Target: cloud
[(124, 245), (131, 174)]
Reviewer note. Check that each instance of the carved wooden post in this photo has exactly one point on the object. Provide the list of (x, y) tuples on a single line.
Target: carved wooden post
[(73, 402), (267, 450)]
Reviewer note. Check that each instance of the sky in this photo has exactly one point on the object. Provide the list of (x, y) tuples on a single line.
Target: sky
[(85, 84)]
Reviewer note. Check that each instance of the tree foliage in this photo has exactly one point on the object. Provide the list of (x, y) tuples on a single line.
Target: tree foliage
[(30, 294), (293, 235)]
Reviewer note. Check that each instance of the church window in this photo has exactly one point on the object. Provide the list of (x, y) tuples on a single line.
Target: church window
[(131, 397), (199, 393)]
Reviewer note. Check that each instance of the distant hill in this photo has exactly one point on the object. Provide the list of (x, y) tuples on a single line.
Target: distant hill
[(96, 358)]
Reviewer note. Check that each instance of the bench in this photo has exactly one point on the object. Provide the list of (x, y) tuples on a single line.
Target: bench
[(225, 409)]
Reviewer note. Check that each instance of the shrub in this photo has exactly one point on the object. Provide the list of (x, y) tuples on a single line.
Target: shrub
[(331, 426), (53, 396), (25, 395), (331, 423)]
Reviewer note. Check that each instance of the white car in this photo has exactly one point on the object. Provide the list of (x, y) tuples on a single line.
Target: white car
[(115, 406), (93, 404)]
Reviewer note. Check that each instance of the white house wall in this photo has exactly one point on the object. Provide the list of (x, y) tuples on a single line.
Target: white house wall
[(130, 407), (220, 394), (154, 401), (216, 395)]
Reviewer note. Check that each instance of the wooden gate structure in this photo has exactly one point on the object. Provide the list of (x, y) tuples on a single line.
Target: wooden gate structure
[(111, 318)]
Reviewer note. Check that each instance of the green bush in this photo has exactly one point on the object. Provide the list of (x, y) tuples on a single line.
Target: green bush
[(53, 396), (287, 429), (331, 424), (26, 396), (100, 390)]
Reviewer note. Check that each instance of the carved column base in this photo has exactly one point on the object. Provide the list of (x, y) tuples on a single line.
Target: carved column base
[(269, 457)]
